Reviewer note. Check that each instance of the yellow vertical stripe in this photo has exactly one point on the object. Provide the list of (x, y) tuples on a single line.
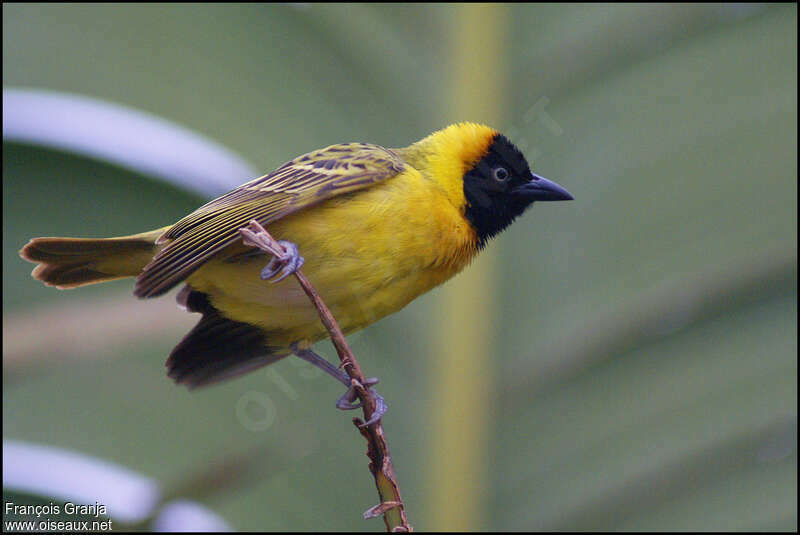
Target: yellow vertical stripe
[(462, 376)]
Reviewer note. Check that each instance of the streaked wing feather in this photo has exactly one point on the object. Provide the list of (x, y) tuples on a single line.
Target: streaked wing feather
[(298, 184)]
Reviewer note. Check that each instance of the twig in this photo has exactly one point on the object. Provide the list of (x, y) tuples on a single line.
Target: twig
[(391, 506)]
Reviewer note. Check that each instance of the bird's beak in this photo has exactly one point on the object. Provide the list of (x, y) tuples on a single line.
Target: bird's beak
[(541, 189)]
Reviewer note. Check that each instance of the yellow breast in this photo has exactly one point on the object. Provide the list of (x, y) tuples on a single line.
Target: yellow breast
[(368, 253)]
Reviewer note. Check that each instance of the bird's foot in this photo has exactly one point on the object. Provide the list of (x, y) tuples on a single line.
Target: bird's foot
[(285, 264), (285, 259), (348, 400)]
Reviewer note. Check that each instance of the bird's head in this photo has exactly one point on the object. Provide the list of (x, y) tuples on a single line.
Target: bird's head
[(485, 176)]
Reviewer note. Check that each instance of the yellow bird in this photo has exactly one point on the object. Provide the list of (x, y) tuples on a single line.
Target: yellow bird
[(377, 227)]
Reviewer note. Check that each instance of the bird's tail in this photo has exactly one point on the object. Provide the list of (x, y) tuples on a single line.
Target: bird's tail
[(71, 262)]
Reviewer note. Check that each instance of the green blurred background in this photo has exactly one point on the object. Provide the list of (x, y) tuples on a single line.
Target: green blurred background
[(632, 358)]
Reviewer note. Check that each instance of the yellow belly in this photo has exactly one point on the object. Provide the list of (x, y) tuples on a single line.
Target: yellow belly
[(368, 254)]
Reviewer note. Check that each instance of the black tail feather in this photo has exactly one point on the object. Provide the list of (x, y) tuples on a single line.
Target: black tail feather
[(217, 348)]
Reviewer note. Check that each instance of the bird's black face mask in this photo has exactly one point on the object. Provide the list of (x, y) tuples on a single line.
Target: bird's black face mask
[(501, 186)]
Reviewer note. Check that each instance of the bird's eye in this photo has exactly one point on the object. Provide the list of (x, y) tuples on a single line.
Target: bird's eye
[(500, 174)]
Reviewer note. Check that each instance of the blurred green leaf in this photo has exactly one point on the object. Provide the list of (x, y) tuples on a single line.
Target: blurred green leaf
[(674, 126)]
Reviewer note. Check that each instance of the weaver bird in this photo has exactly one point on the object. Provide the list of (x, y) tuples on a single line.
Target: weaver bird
[(377, 227)]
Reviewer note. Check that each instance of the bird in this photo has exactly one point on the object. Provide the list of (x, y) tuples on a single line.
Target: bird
[(377, 227)]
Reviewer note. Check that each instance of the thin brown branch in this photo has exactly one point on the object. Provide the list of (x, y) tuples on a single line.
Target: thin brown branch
[(391, 505)]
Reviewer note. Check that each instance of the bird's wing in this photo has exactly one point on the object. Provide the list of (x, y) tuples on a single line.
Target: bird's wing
[(297, 184)]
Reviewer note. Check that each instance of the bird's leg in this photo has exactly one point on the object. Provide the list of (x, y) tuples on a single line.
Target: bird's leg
[(347, 401)]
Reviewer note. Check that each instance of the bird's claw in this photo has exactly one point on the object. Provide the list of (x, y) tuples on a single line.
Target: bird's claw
[(285, 264), (348, 401), (380, 409)]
